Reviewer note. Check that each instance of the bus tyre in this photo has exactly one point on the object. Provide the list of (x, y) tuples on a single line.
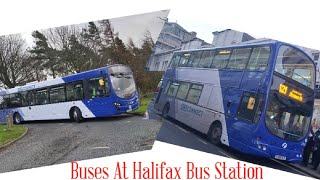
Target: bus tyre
[(215, 133), (76, 115), (16, 118), (165, 111)]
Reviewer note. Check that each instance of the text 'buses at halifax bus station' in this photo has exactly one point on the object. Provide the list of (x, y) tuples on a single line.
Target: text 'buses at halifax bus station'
[(256, 98), (101, 92)]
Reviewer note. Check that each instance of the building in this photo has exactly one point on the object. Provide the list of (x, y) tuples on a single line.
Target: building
[(229, 36), (172, 38)]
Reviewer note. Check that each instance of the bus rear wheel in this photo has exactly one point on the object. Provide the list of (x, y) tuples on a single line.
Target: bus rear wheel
[(17, 118), (215, 133), (165, 111), (76, 115)]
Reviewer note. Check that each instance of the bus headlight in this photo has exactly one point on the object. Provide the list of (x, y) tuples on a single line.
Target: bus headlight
[(264, 148), (259, 146), (117, 105)]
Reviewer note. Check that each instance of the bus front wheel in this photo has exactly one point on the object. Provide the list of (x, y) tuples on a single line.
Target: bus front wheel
[(76, 115), (215, 133), (165, 111), (17, 118)]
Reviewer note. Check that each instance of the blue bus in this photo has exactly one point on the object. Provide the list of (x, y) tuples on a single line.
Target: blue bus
[(101, 92), (256, 98)]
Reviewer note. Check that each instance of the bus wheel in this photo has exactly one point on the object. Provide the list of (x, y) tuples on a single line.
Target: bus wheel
[(76, 115), (165, 111), (17, 118), (215, 133)]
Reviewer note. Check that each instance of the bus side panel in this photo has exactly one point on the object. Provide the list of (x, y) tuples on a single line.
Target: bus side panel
[(230, 78), (53, 111), (252, 79)]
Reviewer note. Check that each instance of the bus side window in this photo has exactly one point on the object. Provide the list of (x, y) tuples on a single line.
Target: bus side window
[(42, 97), (175, 60), (206, 59), (57, 94), (221, 59), (30, 98), (259, 58), (248, 106), (173, 88), (194, 93), (24, 100), (74, 91), (184, 60), (194, 59), (239, 58), (15, 100), (6, 101), (183, 90)]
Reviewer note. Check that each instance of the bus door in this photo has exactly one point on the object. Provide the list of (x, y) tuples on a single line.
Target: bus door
[(247, 116)]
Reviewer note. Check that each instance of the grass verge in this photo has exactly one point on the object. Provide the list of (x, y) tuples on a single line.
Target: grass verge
[(8, 135), (143, 106)]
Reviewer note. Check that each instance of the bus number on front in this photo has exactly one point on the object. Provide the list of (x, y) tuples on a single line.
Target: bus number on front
[(283, 89)]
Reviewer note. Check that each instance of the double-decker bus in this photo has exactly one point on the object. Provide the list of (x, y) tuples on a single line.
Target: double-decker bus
[(101, 92), (257, 98)]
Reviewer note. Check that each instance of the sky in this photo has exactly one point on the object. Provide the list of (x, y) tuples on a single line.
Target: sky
[(290, 21)]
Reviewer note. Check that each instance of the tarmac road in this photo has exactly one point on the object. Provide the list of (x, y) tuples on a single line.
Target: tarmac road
[(55, 142)]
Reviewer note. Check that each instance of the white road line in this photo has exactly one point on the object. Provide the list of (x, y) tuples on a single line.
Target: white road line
[(104, 147), (182, 129), (290, 167), (226, 155), (61, 124), (202, 141)]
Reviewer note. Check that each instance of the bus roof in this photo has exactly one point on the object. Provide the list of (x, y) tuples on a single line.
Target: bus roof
[(57, 81), (271, 42)]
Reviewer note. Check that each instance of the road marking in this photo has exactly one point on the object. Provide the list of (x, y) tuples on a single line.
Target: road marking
[(103, 147), (202, 141), (290, 167), (61, 124), (182, 129), (227, 155)]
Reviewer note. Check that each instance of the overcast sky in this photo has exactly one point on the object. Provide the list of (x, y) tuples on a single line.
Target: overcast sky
[(291, 21)]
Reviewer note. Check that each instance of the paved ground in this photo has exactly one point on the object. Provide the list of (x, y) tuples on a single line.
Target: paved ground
[(54, 142), (176, 133)]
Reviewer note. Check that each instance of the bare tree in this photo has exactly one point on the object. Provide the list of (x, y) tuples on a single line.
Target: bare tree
[(14, 66)]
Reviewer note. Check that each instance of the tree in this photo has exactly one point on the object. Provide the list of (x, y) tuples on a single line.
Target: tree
[(79, 57), (46, 56), (15, 68)]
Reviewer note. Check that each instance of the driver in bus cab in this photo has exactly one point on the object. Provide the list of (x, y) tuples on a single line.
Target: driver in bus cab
[(100, 91)]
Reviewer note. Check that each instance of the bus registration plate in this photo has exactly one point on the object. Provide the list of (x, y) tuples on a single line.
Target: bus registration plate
[(280, 157)]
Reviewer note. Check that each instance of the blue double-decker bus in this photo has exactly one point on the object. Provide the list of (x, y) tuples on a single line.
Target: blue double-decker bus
[(257, 98), (101, 92)]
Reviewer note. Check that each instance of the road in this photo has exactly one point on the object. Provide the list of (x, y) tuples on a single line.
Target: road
[(55, 142), (176, 133)]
